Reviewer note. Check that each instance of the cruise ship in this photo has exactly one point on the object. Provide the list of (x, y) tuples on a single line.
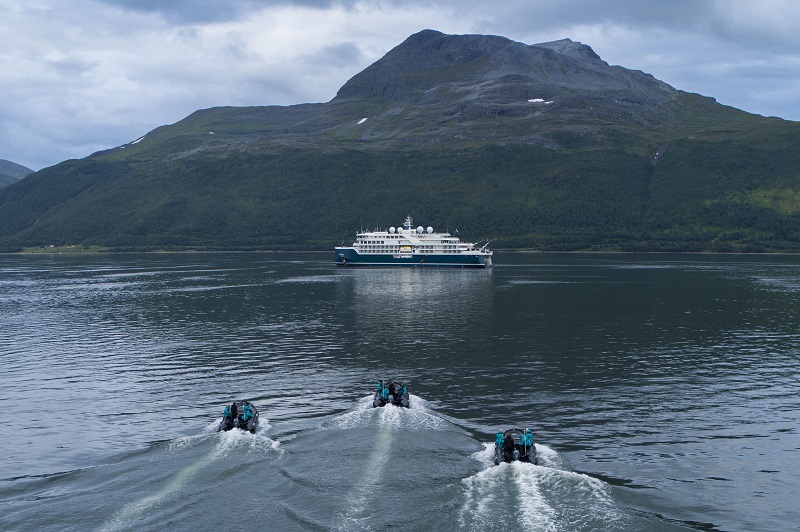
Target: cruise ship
[(407, 246)]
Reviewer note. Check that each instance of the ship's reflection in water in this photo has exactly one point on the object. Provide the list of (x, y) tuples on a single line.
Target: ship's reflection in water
[(417, 312)]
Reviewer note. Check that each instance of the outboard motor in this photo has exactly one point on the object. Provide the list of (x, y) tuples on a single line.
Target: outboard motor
[(516, 454)]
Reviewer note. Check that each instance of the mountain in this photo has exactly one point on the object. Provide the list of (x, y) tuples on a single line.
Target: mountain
[(12, 172), (539, 146)]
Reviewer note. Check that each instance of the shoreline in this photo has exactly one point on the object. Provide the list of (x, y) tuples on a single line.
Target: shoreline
[(99, 251)]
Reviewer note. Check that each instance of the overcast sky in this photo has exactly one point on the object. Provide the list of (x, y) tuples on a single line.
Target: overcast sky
[(85, 75)]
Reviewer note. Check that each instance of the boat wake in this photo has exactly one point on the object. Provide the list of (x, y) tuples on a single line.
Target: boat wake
[(225, 444), (417, 416), (388, 427), (356, 514), (539, 497)]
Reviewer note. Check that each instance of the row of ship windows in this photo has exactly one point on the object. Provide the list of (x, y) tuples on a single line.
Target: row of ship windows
[(380, 242), (395, 247), (395, 244), (423, 249), (394, 237)]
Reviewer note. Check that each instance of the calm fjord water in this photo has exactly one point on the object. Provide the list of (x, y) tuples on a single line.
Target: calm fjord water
[(662, 390)]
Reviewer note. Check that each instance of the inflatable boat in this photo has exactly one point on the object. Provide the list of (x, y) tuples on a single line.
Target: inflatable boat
[(390, 394), (239, 415), (515, 445)]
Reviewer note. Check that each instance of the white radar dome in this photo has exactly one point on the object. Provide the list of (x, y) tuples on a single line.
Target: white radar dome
[(420, 229), (430, 229), (391, 229)]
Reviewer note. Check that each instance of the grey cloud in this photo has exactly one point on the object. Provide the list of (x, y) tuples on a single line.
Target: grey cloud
[(337, 55), (200, 11), (184, 11), (71, 67)]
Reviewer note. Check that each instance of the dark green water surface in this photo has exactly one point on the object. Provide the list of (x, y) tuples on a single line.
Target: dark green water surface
[(662, 390)]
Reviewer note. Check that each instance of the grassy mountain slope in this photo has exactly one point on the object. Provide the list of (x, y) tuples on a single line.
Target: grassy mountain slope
[(542, 146), (10, 172)]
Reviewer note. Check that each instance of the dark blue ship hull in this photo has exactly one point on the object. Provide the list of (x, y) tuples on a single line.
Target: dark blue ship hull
[(350, 257)]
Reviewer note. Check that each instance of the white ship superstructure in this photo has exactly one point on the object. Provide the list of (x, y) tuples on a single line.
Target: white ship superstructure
[(411, 246)]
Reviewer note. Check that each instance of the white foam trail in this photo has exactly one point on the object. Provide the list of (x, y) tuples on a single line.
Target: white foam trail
[(488, 491), (591, 502), (417, 416), (486, 455), (544, 497), (210, 428), (547, 456), (355, 516), (132, 511), (480, 497), (534, 511), (390, 418)]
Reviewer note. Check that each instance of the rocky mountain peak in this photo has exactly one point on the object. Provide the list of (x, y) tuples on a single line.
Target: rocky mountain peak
[(430, 60), (571, 48)]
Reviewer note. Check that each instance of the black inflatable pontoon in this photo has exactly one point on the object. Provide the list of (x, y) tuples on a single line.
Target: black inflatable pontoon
[(390, 394), (515, 445), (239, 415)]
